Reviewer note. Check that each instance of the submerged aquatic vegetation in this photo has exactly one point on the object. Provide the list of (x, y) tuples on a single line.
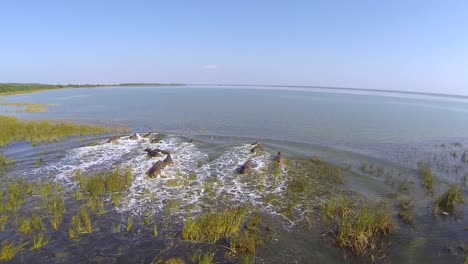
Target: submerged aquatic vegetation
[(448, 200), (356, 229), (16, 130), (28, 107), (425, 172), (406, 211)]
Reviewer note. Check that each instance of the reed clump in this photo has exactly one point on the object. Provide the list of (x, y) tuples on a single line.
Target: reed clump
[(40, 241), (174, 261), (202, 258), (425, 172), (211, 227), (231, 226), (16, 130), (80, 224), (110, 182), (17, 192), (5, 163), (25, 227), (96, 187), (9, 251), (356, 229), (449, 199)]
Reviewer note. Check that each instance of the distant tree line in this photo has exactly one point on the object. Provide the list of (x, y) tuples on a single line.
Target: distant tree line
[(30, 87)]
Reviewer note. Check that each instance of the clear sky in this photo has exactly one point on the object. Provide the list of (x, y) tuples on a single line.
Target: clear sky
[(401, 45)]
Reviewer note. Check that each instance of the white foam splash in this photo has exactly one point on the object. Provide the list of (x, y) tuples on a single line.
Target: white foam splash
[(193, 181)]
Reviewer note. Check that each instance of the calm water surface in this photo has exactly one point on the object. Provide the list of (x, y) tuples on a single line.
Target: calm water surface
[(349, 129)]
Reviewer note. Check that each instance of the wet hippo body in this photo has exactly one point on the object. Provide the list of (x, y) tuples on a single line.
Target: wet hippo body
[(147, 135), (246, 167), (133, 137), (278, 159), (168, 160), (153, 152), (255, 143), (164, 152), (113, 140), (156, 138), (259, 147), (156, 169), (465, 157)]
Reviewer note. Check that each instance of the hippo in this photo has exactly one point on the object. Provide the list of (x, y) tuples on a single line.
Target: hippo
[(255, 143), (147, 135), (278, 159), (257, 148), (113, 140), (168, 160), (165, 152), (465, 157), (155, 170), (133, 137), (246, 167), (153, 152), (157, 138)]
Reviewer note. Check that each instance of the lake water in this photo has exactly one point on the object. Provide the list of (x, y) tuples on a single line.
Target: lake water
[(349, 129)]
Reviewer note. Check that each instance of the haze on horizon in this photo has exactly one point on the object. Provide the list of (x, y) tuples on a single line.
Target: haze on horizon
[(417, 46)]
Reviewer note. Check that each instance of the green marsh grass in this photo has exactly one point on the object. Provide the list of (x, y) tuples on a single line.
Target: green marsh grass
[(40, 241), (25, 227), (174, 261), (129, 223), (356, 229), (425, 172), (16, 130), (5, 163), (98, 186), (448, 200), (211, 227), (37, 223), (198, 257), (17, 192), (155, 230), (9, 251), (80, 224), (3, 221)]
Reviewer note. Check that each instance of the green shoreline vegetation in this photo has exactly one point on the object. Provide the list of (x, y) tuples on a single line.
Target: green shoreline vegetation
[(20, 88), (13, 129)]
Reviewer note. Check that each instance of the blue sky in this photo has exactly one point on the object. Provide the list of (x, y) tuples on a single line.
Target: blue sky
[(401, 45)]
